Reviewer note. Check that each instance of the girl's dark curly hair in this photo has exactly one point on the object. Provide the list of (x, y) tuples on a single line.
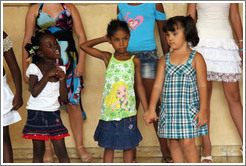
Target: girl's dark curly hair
[(115, 25), (33, 47), (187, 23)]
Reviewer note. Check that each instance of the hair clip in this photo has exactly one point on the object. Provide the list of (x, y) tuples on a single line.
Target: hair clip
[(35, 47), (28, 59)]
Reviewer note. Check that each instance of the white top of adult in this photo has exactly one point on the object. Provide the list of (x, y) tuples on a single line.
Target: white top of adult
[(213, 21), (47, 100)]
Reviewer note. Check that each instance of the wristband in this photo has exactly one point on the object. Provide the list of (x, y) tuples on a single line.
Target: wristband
[(240, 49), (240, 41)]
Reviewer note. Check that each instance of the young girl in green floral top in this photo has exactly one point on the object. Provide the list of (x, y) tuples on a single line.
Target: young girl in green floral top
[(117, 128)]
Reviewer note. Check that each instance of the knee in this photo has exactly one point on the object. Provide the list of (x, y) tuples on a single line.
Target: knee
[(174, 144), (38, 153), (233, 97), (188, 144)]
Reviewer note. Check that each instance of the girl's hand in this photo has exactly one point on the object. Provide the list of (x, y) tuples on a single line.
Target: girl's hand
[(202, 118), (149, 117), (79, 70), (60, 74), (17, 102)]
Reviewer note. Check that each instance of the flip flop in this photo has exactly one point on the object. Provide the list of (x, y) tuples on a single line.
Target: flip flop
[(209, 158)]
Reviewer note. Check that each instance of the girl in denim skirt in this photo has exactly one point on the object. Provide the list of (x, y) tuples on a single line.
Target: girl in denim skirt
[(181, 76), (141, 18), (47, 84), (117, 128)]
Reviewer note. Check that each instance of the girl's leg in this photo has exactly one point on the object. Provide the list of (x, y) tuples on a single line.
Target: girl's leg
[(232, 94), (7, 147), (128, 156), (190, 152), (108, 156), (148, 85), (76, 123), (176, 151), (48, 155), (38, 151), (206, 143), (61, 150)]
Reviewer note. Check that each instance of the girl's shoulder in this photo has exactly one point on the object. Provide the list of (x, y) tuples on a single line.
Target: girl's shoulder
[(162, 60), (33, 69), (198, 60), (198, 57), (136, 60)]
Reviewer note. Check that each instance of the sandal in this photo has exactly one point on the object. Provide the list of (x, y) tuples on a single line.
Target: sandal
[(86, 158), (48, 159), (167, 159), (208, 158)]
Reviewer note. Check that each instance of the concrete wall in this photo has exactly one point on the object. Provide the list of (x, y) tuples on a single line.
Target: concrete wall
[(95, 18)]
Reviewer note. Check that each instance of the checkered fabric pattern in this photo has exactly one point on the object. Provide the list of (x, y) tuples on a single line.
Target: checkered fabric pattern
[(180, 102)]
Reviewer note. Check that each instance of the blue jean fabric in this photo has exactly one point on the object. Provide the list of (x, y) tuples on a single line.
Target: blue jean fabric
[(149, 62), (44, 123), (118, 135)]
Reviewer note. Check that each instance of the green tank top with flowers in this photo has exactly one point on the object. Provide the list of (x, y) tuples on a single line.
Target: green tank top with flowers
[(118, 94)]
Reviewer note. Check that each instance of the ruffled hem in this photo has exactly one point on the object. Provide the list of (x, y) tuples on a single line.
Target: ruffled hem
[(228, 44), (219, 54), (44, 137), (225, 77), (223, 67)]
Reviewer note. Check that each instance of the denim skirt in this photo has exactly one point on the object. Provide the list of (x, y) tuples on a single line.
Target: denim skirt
[(44, 125), (118, 135), (149, 62)]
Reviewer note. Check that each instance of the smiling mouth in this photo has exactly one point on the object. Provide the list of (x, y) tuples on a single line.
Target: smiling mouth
[(57, 52)]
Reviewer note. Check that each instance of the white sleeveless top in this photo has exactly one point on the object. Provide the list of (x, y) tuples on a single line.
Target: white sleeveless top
[(213, 20), (47, 100)]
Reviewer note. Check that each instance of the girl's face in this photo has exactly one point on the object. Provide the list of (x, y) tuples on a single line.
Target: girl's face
[(121, 92), (176, 39), (120, 40), (49, 47)]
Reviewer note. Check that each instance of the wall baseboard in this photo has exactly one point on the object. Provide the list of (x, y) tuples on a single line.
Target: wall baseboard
[(143, 151)]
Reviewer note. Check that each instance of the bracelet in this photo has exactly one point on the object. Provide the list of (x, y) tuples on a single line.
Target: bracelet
[(240, 49), (240, 41)]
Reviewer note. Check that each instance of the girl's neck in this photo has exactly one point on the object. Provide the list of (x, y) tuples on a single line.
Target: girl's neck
[(47, 62), (181, 50), (121, 55)]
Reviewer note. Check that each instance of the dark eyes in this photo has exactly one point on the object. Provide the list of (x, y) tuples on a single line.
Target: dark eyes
[(50, 45)]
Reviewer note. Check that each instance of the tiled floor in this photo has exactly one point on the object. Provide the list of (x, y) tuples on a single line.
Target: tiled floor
[(146, 160)]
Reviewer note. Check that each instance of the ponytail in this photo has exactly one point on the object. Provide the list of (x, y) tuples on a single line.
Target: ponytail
[(191, 33)]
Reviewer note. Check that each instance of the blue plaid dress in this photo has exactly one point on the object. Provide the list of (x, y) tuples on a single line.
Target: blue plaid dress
[(180, 102)]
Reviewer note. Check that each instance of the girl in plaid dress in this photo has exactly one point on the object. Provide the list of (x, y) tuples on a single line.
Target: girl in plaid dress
[(182, 76)]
